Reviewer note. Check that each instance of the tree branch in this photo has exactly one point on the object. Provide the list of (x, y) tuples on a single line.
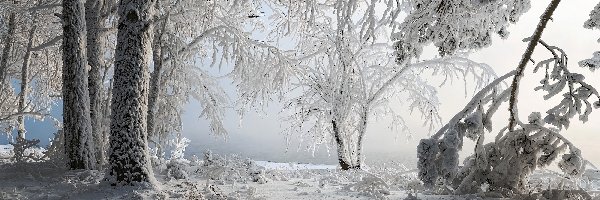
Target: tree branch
[(47, 44), (523, 63)]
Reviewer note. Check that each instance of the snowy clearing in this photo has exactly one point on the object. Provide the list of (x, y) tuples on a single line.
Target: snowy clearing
[(233, 177)]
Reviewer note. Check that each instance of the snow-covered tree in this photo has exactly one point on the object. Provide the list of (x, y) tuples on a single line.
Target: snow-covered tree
[(79, 145), (30, 57), (193, 40), (129, 162), (520, 147), (343, 68), (98, 15)]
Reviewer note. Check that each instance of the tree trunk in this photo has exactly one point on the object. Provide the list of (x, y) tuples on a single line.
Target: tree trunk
[(95, 52), (342, 152), (362, 130), (129, 160), (8, 42), (76, 111), (155, 80), (24, 84)]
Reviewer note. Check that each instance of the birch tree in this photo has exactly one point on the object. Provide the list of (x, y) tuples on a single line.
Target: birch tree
[(129, 159)]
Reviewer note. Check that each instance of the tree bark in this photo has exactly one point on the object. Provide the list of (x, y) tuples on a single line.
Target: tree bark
[(95, 51), (345, 162), (76, 111), (24, 84), (362, 130), (129, 159), (155, 79), (8, 42)]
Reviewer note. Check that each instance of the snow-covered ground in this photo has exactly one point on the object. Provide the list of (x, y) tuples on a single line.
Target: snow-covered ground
[(233, 177)]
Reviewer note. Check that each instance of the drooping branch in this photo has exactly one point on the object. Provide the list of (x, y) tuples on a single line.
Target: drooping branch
[(472, 105)]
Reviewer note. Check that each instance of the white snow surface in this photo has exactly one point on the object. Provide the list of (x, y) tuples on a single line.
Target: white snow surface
[(268, 165), (233, 177)]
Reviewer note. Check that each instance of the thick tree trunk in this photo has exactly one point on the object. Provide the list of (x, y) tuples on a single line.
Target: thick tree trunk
[(342, 152), (95, 52), (24, 84), (129, 160), (8, 42), (76, 111)]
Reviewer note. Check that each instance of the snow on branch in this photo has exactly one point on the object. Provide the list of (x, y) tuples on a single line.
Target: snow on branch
[(453, 25), (594, 21), (506, 163)]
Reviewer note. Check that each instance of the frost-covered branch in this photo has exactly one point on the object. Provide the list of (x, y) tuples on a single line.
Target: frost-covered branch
[(512, 108), (516, 151)]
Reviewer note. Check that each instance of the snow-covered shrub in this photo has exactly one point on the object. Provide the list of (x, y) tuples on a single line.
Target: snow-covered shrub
[(225, 169), (56, 151), (177, 168), (27, 150), (177, 165), (158, 160), (258, 176), (371, 186)]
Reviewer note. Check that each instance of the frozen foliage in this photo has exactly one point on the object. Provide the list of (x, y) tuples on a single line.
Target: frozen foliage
[(176, 166), (594, 21), (21, 147), (427, 151), (505, 164), (333, 85), (56, 154), (592, 63), (29, 55), (454, 25), (371, 186), (193, 43)]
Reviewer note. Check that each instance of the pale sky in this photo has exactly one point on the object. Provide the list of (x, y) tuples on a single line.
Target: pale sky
[(259, 136)]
